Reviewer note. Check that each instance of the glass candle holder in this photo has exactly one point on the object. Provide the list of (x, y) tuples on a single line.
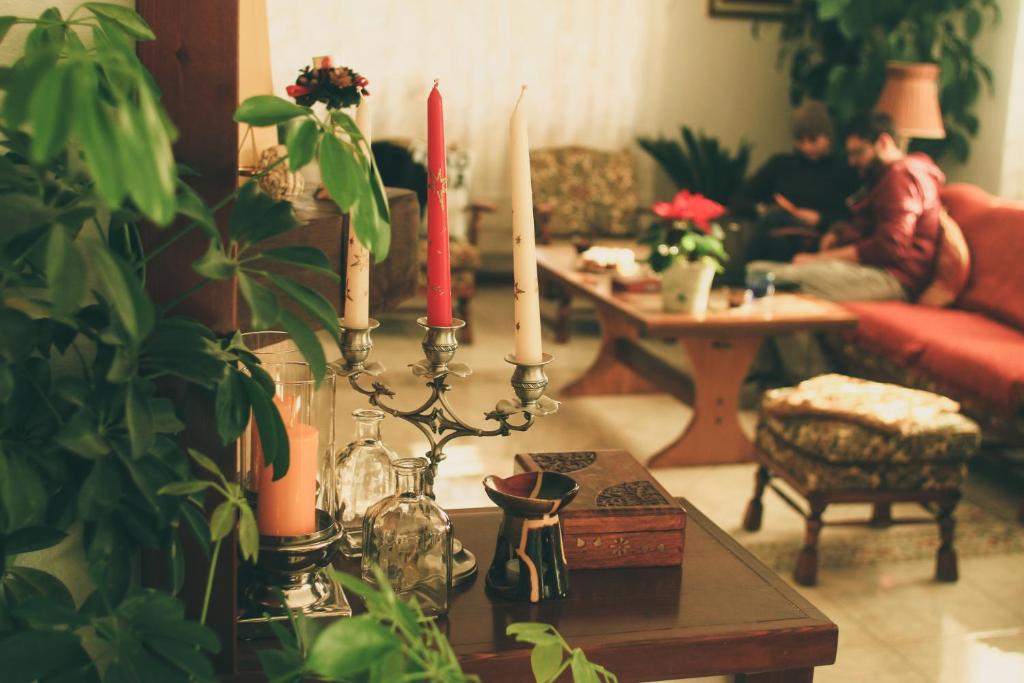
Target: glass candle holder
[(410, 538), (296, 513), (273, 348)]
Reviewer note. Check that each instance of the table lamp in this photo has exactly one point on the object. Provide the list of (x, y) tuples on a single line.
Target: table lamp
[(911, 97)]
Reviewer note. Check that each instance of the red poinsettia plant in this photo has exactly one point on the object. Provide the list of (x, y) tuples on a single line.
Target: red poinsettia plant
[(335, 86), (688, 231)]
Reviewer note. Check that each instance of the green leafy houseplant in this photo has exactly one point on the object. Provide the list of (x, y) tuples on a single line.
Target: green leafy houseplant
[(700, 163), (90, 446), (836, 51)]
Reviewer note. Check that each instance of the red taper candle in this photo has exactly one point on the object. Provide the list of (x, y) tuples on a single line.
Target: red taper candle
[(439, 275)]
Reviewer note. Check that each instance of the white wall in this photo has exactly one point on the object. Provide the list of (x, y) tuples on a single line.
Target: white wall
[(1000, 141), (599, 71)]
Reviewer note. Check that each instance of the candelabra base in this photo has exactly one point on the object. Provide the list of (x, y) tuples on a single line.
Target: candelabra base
[(464, 565)]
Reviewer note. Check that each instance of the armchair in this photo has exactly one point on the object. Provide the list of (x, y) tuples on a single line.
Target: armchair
[(581, 194)]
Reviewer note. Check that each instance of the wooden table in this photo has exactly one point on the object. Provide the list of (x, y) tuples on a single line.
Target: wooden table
[(721, 346), (723, 612)]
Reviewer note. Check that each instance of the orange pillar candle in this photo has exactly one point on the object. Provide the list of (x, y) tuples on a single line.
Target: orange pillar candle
[(287, 507), (439, 274)]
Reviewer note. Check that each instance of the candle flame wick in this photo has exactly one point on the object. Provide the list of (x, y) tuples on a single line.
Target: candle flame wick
[(436, 82), (522, 93)]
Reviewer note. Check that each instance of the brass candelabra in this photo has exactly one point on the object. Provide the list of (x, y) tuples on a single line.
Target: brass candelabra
[(434, 417)]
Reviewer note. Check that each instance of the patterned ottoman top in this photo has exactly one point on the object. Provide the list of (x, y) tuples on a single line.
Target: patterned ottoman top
[(884, 407)]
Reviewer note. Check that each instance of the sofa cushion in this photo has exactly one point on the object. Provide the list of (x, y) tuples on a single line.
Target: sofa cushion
[(966, 351), (994, 230), (952, 265)]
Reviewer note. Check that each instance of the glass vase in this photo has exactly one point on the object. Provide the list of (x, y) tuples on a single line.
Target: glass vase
[(364, 477), (410, 538)]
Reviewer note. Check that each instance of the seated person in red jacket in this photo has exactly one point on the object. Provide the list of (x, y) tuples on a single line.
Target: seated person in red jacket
[(887, 249), (797, 195)]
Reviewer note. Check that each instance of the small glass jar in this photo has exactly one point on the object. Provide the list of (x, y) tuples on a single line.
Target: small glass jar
[(364, 477), (410, 538)]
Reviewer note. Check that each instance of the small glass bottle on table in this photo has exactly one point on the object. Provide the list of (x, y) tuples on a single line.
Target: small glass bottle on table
[(364, 477), (410, 538)]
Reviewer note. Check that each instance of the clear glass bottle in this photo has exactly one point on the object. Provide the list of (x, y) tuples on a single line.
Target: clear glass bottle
[(364, 477), (410, 538)]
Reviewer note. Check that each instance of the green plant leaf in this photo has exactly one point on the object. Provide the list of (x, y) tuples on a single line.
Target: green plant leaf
[(124, 291), (527, 627), (141, 434), (231, 406), (282, 666), (96, 134), (263, 303), (101, 490), (81, 436), (382, 242), (349, 646), (197, 524), (215, 264), (306, 340), (124, 17), (18, 338), (44, 612), (49, 113), (66, 271), (270, 428), (22, 494), (308, 258), (145, 147), (248, 532), (341, 173), (32, 655), (347, 124), (29, 539), (21, 584), (222, 521), (5, 25), (545, 660), (311, 301), (190, 204), (256, 217), (267, 110), (184, 488), (183, 656), (206, 463), (582, 671), (301, 141)]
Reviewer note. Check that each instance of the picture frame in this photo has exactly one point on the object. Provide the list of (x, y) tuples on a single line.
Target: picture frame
[(752, 9)]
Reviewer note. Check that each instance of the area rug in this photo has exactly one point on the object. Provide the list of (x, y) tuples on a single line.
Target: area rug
[(980, 530)]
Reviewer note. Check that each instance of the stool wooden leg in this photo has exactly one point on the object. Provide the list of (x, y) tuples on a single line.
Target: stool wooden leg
[(945, 561), (755, 510), (562, 331), (806, 573), (881, 515)]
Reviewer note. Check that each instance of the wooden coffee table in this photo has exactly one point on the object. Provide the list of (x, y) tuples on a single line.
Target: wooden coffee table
[(723, 612), (721, 346)]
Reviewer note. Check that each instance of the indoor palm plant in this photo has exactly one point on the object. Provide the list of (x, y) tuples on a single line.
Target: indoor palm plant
[(700, 163), (686, 248), (90, 450)]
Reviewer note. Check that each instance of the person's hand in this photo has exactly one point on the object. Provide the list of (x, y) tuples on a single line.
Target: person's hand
[(828, 240), (805, 257), (805, 216)]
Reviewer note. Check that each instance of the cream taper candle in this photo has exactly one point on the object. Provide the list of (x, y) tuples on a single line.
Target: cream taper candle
[(357, 269), (524, 251)]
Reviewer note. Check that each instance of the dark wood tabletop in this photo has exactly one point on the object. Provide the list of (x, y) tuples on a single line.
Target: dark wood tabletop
[(780, 313), (723, 612)]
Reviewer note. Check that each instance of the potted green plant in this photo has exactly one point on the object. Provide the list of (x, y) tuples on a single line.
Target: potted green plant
[(90, 450), (686, 249)]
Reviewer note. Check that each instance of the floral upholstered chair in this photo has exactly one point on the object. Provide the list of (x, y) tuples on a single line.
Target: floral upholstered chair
[(582, 195)]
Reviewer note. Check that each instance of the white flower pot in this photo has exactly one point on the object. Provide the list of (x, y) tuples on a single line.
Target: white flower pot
[(686, 286)]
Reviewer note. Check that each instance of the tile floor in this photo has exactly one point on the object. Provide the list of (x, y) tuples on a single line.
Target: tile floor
[(895, 623)]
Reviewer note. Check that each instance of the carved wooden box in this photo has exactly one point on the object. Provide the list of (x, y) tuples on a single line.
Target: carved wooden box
[(622, 516)]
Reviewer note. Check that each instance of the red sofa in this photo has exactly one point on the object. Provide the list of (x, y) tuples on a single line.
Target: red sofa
[(974, 351)]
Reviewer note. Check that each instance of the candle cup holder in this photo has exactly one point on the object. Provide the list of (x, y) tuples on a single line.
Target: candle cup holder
[(355, 346), (434, 417), (291, 574)]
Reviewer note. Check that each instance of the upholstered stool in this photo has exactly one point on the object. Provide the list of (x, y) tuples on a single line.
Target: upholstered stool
[(838, 439)]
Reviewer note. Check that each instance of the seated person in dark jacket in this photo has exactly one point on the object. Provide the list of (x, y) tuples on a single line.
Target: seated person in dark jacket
[(797, 195)]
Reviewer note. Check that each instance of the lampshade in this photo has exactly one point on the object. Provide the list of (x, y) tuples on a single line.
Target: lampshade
[(911, 98)]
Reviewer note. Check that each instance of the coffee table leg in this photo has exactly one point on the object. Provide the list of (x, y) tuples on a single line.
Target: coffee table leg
[(714, 436), (609, 375)]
